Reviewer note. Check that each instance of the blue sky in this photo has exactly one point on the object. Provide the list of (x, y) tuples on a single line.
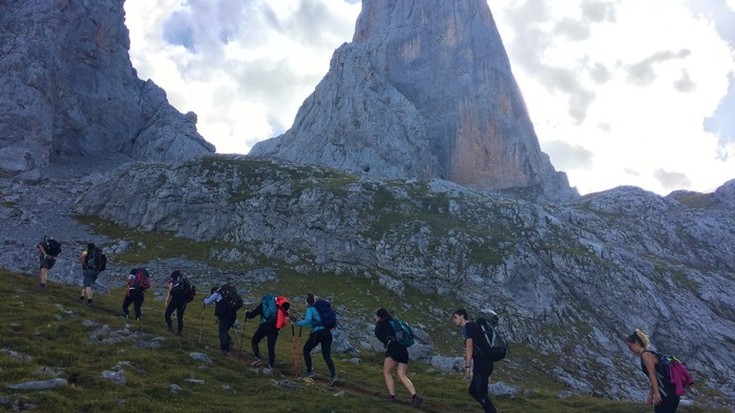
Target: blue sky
[(621, 92)]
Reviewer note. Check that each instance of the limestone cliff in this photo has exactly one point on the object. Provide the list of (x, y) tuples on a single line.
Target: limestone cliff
[(68, 90), (424, 90)]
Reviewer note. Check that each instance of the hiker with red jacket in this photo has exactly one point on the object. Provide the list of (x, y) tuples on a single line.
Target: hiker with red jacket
[(273, 312), (662, 395), (134, 294), (320, 335)]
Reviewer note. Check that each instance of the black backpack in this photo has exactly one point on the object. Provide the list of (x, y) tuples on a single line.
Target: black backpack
[(96, 260), (184, 287), (492, 341), (52, 247), (230, 302)]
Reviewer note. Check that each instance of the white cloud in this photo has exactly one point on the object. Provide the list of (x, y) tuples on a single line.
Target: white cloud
[(619, 90)]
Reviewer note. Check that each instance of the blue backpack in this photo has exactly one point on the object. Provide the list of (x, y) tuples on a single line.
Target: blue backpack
[(269, 308), (327, 315), (402, 332)]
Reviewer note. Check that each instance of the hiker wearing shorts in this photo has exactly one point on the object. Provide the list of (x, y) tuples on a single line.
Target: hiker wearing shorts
[(47, 261), (396, 357), (89, 273)]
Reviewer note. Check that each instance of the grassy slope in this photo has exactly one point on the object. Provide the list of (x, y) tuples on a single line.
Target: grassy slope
[(48, 326)]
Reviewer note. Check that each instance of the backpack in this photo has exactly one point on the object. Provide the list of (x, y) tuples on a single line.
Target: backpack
[(184, 287), (402, 332), (281, 313), (268, 303), (327, 315), (231, 300), (492, 342), (142, 280), (677, 374), (96, 260), (52, 247)]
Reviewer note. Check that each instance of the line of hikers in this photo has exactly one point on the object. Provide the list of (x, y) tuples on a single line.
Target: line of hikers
[(483, 343)]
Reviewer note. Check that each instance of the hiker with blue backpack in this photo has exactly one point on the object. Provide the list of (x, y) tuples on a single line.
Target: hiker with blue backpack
[(321, 318), (387, 330), (478, 363), (273, 312), (667, 375)]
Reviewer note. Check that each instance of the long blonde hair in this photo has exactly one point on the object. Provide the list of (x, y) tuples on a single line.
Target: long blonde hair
[(639, 337)]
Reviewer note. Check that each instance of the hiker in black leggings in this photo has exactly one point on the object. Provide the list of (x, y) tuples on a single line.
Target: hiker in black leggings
[(266, 328), (319, 336), (175, 301)]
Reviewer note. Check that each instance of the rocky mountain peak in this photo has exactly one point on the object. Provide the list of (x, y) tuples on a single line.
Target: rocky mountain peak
[(424, 90), (69, 91)]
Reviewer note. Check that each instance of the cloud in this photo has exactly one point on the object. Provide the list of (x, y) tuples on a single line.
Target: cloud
[(671, 180), (643, 73), (568, 157)]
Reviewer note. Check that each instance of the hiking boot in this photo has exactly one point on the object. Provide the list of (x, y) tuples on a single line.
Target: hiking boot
[(43, 285), (308, 374), (256, 362), (334, 380), (81, 299), (416, 401), (391, 399), (89, 302)]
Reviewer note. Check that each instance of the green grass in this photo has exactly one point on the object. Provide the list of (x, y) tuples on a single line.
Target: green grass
[(49, 326)]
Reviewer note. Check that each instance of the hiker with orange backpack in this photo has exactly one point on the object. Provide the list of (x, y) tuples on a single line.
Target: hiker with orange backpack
[(321, 323), (273, 312), (663, 394), (137, 281)]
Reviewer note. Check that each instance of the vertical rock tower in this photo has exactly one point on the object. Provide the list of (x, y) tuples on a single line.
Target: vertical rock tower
[(424, 90)]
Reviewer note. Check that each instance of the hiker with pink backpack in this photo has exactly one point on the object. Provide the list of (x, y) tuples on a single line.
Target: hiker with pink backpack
[(669, 377)]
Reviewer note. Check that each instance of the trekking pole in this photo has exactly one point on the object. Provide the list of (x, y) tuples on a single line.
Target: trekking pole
[(242, 337), (295, 347), (201, 325)]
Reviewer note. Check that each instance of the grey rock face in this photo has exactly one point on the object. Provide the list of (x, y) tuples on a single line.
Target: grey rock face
[(424, 90), (68, 90), (569, 280)]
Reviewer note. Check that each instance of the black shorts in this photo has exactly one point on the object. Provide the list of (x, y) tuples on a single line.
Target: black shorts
[(397, 352), (47, 263)]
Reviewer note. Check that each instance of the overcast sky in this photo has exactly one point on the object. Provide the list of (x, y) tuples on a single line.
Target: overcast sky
[(621, 92)]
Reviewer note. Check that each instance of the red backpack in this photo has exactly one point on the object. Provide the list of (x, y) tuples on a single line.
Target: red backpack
[(282, 313), (142, 280)]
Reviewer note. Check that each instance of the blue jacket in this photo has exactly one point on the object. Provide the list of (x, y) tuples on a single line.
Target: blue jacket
[(311, 319)]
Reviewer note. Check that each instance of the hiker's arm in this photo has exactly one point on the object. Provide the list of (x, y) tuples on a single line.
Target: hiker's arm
[(82, 257), (211, 299), (43, 250), (649, 360), (308, 319), (468, 349), (252, 314)]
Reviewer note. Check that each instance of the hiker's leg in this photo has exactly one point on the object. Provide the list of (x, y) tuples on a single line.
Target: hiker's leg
[(478, 390), (326, 342), (44, 273), (388, 365), (311, 342), (167, 315), (257, 336), (668, 405), (138, 302), (126, 303), (272, 337), (224, 337), (402, 369), (180, 316)]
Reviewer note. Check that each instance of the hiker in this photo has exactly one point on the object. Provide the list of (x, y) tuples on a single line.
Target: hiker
[(88, 270), (134, 295), (662, 396), (47, 257), (396, 357), (176, 299), (225, 318), (320, 335), (270, 311), (477, 364)]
